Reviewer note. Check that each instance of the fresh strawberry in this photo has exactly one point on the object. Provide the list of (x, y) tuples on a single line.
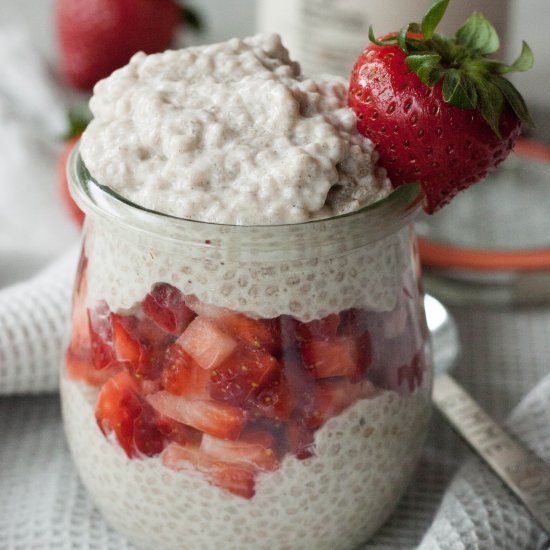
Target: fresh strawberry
[(206, 343), (331, 397), (255, 333), (242, 375), (182, 456), (176, 431), (120, 410), (79, 366), (276, 400), (341, 356), (319, 329), (235, 479), (166, 307), (212, 417), (101, 334), (255, 449), (98, 36), (72, 207), (300, 439), (182, 376), (139, 343), (439, 111)]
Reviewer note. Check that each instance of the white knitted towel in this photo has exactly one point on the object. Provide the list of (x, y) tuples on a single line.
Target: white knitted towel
[(478, 511), (34, 318)]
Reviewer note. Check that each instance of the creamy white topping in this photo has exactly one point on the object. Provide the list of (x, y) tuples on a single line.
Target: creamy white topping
[(230, 133)]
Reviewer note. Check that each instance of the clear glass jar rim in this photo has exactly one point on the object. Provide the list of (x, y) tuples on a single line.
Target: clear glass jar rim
[(369, 224)]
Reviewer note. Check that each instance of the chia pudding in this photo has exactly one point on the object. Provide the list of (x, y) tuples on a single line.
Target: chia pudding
[(247, 364)]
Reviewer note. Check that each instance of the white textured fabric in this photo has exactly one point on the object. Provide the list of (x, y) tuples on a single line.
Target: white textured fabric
[(34, 318)]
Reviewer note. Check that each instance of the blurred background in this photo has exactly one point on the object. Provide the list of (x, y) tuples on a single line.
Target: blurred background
[(324, 35)]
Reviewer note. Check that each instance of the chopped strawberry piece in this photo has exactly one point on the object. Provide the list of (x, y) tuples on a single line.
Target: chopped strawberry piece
[(300, 439), (412, 373), (209, 311), (331, 397), (127, 348), (275, 401), (176, 431), (235, 479), (101, 334), (244, 374), (320, 329), (232, 477), (354, 321), (212, 417), (255, 449), (206, 343), (255, 333), (165, 305), (181, 456), (182, 376), (341, 356), (79, 366), (120, 410)]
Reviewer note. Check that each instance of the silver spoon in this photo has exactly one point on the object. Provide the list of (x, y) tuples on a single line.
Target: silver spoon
[(524, 473)]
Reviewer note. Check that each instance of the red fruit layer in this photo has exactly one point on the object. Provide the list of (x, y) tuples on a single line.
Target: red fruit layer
[(226, 394)]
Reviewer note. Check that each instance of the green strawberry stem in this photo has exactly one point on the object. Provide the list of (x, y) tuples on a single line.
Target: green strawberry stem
[(470, 79), (78, 119), (190, 16)]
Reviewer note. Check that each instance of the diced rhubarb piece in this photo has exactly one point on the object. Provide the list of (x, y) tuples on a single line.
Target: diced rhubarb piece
[(319, 329), (342, 356), (256, 449), (120, 410), (235, 479), (244, 374), (207, 344), (79, 366), (101, 334), (275, 401), (183, 376), (212, 417), (331, 397), (165, 305), (254, 333)]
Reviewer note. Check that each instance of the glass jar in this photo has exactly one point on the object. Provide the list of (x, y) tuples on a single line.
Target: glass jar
[(246, 387)]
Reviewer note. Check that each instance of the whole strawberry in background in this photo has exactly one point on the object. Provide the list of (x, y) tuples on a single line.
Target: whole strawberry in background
[(96, 37), (439, 110)]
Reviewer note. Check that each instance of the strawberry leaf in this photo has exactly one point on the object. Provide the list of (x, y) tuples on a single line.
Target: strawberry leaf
[(514, 99), (432, 18), (191, 18), (402, 38), (524, 62), (458, 90), (491, 103), (425, 66), (478, 36), (388, 41)]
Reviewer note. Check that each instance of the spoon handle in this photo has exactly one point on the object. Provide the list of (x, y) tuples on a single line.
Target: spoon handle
[(524, 473)]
